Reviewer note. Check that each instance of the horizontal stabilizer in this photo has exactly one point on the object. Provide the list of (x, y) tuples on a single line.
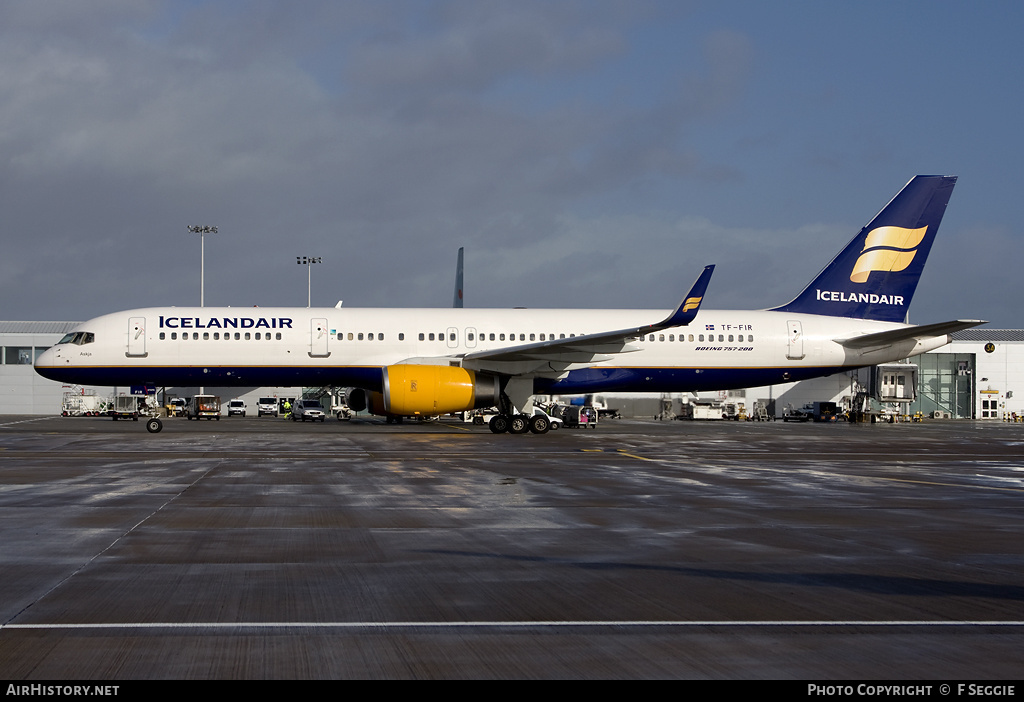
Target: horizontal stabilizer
[(893, 336)]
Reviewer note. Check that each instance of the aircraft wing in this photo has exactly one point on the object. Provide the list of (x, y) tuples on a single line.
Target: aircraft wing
[(893, 336), (556, 355)]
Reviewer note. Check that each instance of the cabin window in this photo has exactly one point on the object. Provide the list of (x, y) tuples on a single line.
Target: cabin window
[(162, 336), (730, 337), (533, 337), (401, 336), (278, 335), (421, 336), (431, 336), (247, 337)]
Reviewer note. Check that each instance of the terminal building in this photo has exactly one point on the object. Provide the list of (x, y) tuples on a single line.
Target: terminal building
[(980, 375)]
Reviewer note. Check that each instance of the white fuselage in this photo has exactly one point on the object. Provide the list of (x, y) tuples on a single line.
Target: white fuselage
[(348, 347)]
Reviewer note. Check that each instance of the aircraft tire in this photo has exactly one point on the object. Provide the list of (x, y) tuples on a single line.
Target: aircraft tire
[(519, 424), (499, 423), (154, 425), (539, 424)]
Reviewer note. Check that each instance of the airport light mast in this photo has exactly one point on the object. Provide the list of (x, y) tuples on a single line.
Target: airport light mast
[(202, 231), (308, 261)]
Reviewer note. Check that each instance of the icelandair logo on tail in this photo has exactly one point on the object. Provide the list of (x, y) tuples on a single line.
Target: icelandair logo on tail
[(691, 303), (887, 249)]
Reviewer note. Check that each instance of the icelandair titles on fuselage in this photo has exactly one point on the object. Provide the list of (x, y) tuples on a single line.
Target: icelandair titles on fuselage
[(225, 322)]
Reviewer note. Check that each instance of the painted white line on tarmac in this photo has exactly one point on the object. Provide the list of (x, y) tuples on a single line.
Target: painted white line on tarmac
[(513, 624)]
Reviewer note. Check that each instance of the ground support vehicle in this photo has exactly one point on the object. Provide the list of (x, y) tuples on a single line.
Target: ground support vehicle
[(577, 417), (176, 407), (803, 414), (75, 404), (702, 410), (236, 407), (266, 406), (125, 407), (204, 407), (308, 409)]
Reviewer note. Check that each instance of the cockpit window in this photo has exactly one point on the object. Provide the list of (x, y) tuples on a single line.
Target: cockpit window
[(78, 338)]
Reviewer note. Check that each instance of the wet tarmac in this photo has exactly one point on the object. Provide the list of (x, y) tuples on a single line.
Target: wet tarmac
[(262, 548)]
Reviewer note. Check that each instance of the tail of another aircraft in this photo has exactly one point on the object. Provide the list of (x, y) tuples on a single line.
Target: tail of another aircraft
[(876, 275), (457, 300)]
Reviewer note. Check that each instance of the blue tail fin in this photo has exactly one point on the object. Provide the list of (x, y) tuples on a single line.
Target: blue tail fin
[(876, 275)]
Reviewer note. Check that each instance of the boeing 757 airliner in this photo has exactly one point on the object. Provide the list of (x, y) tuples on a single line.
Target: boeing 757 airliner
[(410, 362)]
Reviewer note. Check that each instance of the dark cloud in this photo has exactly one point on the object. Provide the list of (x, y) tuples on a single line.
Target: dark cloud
[(585, 153)]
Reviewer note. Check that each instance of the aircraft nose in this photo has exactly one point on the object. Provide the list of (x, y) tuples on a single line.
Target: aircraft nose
[(45, 362)]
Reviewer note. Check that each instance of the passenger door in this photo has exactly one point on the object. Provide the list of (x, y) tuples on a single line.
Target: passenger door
[(318, 337), (136, 337), (795, 346)]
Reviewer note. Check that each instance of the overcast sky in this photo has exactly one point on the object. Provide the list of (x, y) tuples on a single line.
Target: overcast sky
[(586, 154)]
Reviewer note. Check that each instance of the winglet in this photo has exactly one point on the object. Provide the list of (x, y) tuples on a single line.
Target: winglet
[(690, 305)]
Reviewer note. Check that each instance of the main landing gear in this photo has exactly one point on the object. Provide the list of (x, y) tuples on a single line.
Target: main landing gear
[(519, 424)]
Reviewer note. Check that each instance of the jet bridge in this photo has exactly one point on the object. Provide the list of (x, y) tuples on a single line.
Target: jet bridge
[(894, 382)]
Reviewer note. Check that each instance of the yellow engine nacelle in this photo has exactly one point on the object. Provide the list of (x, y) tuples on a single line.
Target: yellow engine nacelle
[(415, 390)]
